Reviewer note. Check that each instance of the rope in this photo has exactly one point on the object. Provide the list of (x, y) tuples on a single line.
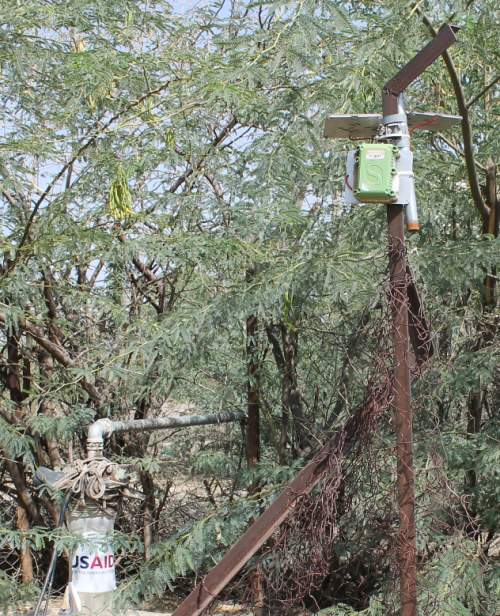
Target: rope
[(91, 478)]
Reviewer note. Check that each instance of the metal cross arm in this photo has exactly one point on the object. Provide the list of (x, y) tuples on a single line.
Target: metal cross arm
[(415, 67), (366, 125)]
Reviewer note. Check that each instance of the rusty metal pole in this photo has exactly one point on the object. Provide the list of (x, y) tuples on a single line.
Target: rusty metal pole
[(406, 539)]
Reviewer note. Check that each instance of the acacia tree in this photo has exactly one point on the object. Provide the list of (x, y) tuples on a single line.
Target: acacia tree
[(150, 159)]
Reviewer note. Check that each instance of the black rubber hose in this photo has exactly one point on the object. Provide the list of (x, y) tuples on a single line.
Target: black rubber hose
[(49, 578)]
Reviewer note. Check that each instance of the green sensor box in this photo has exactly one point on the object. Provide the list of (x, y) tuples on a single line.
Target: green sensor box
[(377, 179)]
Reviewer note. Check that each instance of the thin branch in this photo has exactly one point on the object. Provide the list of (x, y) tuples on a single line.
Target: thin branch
[(160, 507), (95, 274), (218, 138), (152, 278), (11, 418), (459, 151), (136, 284), (470, 162), (68, 177), (9, 197), (483, 92), (214, 183)]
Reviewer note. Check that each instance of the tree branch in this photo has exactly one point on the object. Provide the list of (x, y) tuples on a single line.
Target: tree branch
[(56, 351), (275, 344), (470, 162), (220, 137), (458, 151), (151, 276), (95, 274), (136, 284), (8, 196), (482, 93), (214, 183), (23, 493)]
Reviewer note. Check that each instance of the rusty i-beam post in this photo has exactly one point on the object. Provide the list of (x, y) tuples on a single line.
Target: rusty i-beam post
[(406, 540)]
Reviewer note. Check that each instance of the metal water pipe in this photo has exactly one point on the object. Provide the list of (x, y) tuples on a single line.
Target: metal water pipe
[(104, 428)]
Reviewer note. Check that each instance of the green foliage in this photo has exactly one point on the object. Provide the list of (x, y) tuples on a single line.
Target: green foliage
[(200, 132), (377, 607), (16, 595)]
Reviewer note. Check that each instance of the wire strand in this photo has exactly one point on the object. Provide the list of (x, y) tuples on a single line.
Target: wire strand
[(424, 123)]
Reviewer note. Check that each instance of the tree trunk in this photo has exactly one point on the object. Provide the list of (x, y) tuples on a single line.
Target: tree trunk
[(16, 472), (475, 410), (149, 513), (46, 364), (253, 432), (491, 226), (25, 502), (290, 395), (24, 552), (148, 487), (253, 403), (291, 398), (285, 419), (13, 379)]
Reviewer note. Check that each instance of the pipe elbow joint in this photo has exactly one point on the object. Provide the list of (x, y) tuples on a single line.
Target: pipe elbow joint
[(100, 430)]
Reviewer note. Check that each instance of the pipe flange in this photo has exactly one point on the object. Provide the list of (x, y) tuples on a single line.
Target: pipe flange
[(95, 447), (93, 444)]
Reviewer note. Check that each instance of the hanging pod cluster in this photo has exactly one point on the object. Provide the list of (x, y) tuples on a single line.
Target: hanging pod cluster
[(120, 197)]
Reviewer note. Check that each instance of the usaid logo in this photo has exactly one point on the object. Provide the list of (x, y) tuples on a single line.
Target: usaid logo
[(93, 571), (93, 562)]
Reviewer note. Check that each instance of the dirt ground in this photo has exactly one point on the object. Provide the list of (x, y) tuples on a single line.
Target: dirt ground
[(168, 609)]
